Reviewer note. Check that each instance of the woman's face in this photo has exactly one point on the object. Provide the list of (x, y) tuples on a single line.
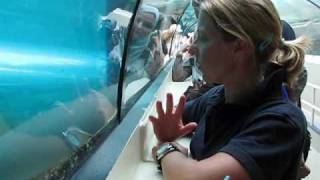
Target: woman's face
[(215, 55), (143, 24)]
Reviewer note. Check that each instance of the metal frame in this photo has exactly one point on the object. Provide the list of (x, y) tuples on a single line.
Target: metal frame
[(315, 4), (313, 106)]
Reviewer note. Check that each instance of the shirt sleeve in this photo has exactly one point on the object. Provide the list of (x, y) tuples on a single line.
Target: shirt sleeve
[(268, 148)]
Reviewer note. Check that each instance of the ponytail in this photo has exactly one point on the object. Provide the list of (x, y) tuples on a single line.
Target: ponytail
[(291, 55)]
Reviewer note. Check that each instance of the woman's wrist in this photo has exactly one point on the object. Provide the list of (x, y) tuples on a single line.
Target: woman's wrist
[(164, 148)]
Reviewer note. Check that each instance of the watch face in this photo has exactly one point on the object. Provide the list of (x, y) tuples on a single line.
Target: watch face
[(163, 149)]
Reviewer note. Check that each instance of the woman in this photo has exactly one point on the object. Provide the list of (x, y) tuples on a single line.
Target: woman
[(138, 64), (246, 128)]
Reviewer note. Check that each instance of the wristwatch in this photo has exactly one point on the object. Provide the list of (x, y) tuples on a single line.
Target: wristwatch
[(163, 150)]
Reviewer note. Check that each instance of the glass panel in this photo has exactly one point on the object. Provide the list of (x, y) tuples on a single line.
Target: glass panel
[(59, 71), (150, 45), (304, 17)]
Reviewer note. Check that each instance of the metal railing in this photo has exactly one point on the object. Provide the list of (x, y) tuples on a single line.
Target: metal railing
[(313, 106)]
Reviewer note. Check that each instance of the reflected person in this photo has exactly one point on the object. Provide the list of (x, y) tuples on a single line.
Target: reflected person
[(140, 51)]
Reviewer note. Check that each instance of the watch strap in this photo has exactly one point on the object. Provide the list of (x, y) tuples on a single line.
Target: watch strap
[(163, 150)]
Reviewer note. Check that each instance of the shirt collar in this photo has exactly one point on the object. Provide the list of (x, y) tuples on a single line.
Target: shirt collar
[(268, 88)]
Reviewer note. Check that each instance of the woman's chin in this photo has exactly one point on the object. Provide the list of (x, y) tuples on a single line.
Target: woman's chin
[(206, 79)]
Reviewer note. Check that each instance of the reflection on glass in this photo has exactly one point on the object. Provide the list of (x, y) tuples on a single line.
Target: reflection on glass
[(155, 39), (59, 71), (189, 20), (172, 8), (141, 46), (145, 54)]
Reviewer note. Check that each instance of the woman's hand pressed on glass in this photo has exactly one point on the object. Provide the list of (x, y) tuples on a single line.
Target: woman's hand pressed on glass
[(168, 126)]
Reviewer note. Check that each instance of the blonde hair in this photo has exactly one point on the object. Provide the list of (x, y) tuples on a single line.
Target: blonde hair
[(257, 22)]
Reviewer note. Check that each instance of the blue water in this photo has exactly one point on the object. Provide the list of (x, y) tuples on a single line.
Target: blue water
[(69, 25), (50, 51), (27, 91)]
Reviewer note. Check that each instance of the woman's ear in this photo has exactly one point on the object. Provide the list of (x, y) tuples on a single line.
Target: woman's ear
[(242, 49)]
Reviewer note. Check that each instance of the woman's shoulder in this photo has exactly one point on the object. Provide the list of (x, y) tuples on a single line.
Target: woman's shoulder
[(210, 98), (216, 91), (281, 110)]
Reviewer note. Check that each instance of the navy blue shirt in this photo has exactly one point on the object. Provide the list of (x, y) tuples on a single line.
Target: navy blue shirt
[(266, 136)]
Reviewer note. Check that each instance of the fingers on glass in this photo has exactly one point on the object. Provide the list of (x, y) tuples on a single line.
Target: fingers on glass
[(169, 103), (160, 109), (153, 119), (180, 106)]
